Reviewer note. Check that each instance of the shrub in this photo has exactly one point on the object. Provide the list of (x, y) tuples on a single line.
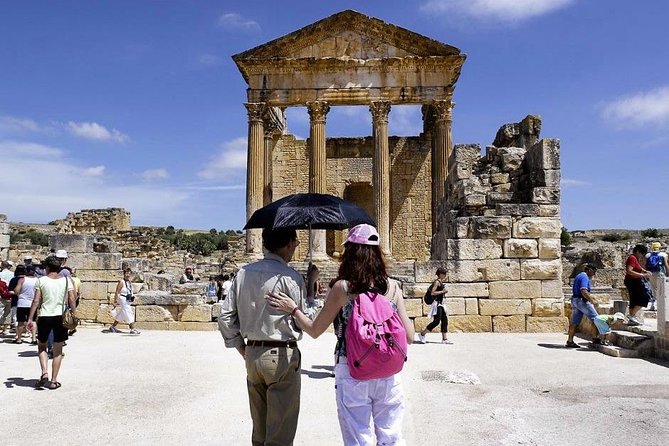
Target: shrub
[(565, 237), (35, 237), (651, 233)]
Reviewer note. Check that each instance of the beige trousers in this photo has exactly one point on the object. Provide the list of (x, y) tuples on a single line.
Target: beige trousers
[(273, 383)]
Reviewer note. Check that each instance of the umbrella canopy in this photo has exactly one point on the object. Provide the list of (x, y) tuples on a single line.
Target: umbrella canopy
[(309, 211)]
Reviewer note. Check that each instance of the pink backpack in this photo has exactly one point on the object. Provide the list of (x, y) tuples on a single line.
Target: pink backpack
[(376, 342)]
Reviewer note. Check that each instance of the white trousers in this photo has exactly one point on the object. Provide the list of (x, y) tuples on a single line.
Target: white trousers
[(370, 412)]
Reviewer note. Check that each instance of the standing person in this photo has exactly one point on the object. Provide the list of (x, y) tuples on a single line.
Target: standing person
[(211, 290), (582, 303), (272, 358), (636, 284), (370, 411), (25, 290), (225, 286), (6, 275), (437, 310), (124, 297), (656, 263), (19, 273), (61, 255), (52, 294)]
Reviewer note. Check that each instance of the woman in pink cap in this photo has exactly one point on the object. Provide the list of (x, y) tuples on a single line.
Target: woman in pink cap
[(370, 411)]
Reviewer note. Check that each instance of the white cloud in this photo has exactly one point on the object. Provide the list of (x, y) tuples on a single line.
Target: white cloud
[(27, 150), (229, 162), (405, 121), (209, 60), (651, 107), (18, 125), (155, 174), (496, 10), (95, 131), (93, 171), (569, 182), (235, 22)]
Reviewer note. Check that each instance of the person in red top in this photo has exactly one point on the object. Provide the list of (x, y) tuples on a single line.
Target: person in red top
[(635, 282)]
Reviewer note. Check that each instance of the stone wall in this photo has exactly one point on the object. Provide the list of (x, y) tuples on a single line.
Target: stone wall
[(349, 175), (95, 221)]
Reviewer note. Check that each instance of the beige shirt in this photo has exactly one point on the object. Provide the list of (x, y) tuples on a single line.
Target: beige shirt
[(245, 311)]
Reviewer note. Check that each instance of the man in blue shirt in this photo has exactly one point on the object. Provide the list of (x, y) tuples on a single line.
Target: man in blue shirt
[(582, 303)]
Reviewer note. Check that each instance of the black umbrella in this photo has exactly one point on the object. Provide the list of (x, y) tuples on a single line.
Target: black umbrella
[(309, 211)]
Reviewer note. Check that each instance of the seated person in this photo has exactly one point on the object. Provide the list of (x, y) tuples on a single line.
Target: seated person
[(187, 276)]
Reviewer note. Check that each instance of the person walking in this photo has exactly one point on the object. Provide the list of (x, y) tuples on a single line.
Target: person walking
[(636, 283), (370, 411), (582, 303), (656, 263), (6, 275), (124, 297), (52, 294), (25, 290), (267, 338), (437, 309)]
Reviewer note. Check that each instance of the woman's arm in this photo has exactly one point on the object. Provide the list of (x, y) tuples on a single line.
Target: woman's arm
[(334, 302), (37, 300), (19, 285), (630, 271), (119, 287), (408, 325), (435, 285), (71, 297)]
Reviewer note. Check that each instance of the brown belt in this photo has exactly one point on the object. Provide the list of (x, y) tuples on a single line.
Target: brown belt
[(291, 344)]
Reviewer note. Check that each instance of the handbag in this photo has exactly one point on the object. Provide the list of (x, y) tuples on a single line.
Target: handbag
[(69, 320)]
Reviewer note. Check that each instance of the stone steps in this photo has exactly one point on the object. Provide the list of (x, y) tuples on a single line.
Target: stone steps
[(617, 352)]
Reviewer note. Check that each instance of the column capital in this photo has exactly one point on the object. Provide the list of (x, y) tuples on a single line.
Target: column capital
[(255, 111), (318, 110), (380, 110), (443, 110)]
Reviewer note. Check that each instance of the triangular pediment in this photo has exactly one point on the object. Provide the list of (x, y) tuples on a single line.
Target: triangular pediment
[(348, 34)]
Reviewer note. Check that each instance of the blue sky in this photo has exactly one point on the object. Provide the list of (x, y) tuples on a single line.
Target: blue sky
[(137, 104)]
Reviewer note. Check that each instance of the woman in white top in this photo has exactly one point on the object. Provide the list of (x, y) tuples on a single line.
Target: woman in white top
[(124, 311), (25, 290), (52, 294)]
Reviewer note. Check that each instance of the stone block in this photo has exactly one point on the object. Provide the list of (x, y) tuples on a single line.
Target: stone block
[(537, 227), (4, 240), (545, 178), (552, 289), (190, 288), (88, 309), (508, 324), (455, 305), (520, 248), (550, 248), (425, 271), (196, 313), (217, 309), (471, 305), (549, 210), (72, 243), (99, 275), (479, 289), (469, 324), (491, 227), (4, 228), (545, 195), (547, 324), (483, 270), (193, 326), (104, 314), (495, 197), (540, 269), (159, 282), (505, 307), (95, 260), (517, 289), (544, 155), (179, 299), (525, 210), (499, 178), (420, 323), (547, 307), (94, 291), (152, 313), (473, 249), (414, 307), (414, 290), (152, 325), (466, 154), (474, 200)]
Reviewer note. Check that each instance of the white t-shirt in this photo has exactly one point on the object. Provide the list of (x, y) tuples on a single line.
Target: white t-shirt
[(226, 287), (27, 292), (663, 259)]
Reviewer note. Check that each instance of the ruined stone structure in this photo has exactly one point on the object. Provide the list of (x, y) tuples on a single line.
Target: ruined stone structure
[(4, 237), (95, 221), (350, 59)]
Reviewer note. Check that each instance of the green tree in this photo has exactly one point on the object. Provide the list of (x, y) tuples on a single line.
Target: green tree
[(565, 237), (651, 233)]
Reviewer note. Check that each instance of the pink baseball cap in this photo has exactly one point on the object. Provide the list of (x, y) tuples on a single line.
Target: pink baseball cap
[(363, 235)]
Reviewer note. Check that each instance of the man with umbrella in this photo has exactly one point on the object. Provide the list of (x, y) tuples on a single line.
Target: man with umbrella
[(270, 350)]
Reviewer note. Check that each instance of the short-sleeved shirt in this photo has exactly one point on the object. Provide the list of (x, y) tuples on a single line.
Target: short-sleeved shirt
[(6, 275), (53, 295), (663, 259), (636, 267), (580, 281)]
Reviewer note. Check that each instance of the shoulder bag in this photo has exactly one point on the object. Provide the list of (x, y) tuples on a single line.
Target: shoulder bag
[(70, 321)]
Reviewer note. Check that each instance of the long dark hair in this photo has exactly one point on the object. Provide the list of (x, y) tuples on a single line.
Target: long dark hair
[(363, 267)]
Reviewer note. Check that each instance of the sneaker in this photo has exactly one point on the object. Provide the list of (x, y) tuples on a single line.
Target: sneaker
[(135, 332), (598, 341), (571, 344), (113, 329), (446, 341), (421, 338)]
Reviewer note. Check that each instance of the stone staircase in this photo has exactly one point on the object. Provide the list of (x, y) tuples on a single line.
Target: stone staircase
[(630, 342)]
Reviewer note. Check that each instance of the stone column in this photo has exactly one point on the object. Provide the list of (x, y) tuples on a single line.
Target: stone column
[(428, 138), (663, 307), (255, 169), (4, 237), (441, 150), (317, 168), (381, 171)]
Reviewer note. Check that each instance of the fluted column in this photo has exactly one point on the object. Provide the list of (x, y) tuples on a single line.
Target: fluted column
[(317, 167), (255, 169), (381, 171), (441, 150)]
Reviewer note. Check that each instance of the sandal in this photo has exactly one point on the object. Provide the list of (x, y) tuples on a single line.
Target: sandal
[(18, 341), (43, 380), (572, 344), (53, 385)]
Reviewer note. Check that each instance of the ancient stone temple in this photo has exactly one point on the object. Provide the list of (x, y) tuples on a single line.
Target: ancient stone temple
[(354, 60)]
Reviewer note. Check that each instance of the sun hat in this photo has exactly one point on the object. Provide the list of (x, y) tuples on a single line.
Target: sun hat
[(61, 254), (655, 246), (28, 257), (363, 234)]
